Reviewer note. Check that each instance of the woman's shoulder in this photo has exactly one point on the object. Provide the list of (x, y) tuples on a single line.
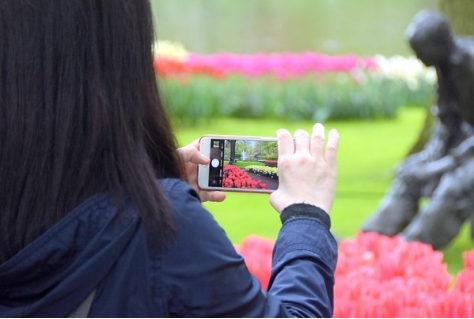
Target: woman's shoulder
[(178, 192), (174, 185), (189, 213)]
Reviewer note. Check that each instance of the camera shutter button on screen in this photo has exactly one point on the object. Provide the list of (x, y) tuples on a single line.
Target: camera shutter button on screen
[(215, 162)]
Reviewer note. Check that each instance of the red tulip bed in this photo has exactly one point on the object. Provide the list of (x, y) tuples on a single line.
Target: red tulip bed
[(235, 177), (379, 276)]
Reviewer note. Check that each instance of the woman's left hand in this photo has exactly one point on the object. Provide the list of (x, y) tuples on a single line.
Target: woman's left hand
[(192, 158)]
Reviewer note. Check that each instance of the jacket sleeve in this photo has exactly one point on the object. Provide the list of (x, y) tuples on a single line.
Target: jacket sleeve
[(204, 276)]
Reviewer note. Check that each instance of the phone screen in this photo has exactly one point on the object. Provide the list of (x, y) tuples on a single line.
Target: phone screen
[(243, 164)]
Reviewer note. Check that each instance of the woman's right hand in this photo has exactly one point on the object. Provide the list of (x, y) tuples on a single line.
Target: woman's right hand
[(307, 168), (192, 158)]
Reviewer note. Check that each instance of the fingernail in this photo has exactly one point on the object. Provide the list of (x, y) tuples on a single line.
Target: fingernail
[(281, 132), (318, 129), (301, 132), (333, 133)]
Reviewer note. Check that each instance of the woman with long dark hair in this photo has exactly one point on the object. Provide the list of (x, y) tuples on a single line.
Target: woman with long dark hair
[(100, 214)]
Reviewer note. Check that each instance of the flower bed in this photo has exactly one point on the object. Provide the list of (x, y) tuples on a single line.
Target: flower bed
[(235, 177), (282, 66), (292, 86), (379, 276), (270, 162), (267, 171)]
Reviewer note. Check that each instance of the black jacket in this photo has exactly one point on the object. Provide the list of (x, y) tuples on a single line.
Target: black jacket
[(200, 274)]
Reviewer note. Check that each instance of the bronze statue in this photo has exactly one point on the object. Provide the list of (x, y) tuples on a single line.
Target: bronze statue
[(443, 172)]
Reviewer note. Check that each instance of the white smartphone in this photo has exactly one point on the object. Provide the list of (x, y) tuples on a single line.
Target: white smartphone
[(239, 163)]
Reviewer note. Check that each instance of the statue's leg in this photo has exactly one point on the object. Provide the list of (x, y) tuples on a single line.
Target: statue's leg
[(395, 211), (440, 220)]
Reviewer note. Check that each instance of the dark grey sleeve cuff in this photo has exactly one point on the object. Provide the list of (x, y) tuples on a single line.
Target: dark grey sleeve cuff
[(305, 210)]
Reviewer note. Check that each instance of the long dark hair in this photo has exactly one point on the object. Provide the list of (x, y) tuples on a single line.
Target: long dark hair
[(80, 114)]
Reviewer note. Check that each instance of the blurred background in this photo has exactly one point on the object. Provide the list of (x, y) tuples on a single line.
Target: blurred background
[(249, 67), (363, 27)]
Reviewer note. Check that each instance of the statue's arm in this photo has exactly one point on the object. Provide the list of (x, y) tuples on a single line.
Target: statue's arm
[(458, 155), (464, 151)]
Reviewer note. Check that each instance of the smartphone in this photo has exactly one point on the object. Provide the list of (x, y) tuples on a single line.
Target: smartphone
[(239, 163)]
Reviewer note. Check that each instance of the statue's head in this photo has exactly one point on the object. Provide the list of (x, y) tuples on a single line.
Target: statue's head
[(430, 36)]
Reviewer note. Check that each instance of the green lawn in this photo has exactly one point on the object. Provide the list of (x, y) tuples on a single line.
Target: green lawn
[(369, 151)]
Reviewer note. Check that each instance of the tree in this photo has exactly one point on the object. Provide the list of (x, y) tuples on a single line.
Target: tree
[(459, 14)]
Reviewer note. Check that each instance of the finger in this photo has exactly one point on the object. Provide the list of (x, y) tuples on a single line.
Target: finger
[(185, 152), (214, 196), (285, 143), (301, 141), (204, 159), (196, 157), (317, 140), (200, 158), (190, 153), (195, 143), (332, 147)]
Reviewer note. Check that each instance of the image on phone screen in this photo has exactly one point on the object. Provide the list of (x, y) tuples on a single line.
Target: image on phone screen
[(244, 164)]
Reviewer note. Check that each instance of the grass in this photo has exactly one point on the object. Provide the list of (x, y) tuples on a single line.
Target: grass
[(368, 154)]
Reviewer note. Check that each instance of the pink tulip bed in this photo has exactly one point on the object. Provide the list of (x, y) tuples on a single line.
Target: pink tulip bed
[(292, 86), (379, 276), (283, 66)]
